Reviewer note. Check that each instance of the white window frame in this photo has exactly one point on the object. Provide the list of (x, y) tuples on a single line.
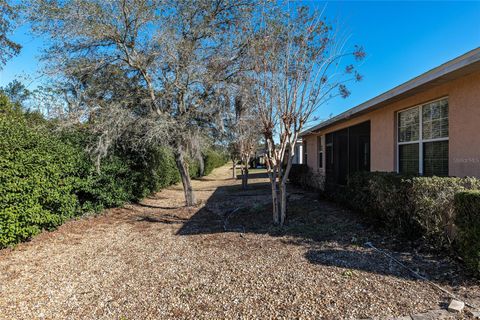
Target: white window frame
[(420, 140)]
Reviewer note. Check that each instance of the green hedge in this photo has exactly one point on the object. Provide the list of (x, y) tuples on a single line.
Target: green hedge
[(467, 219), (46, 177), (213, 159), (36, 180), (413, 206), (444, 211)]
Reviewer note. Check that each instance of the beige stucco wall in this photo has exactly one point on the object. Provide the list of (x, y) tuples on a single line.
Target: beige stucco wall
[(464, 127), (312, 152)]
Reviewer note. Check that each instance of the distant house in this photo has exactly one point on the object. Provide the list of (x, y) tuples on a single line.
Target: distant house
[(258, 160), (428, 126)]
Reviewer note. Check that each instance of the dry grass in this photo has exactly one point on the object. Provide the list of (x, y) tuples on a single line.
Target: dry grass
[(159, 260)]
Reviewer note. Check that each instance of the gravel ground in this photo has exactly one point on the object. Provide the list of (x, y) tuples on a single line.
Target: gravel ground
[(222, 260)]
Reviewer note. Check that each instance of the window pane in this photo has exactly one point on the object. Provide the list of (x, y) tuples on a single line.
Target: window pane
[(408, 125), (408, 156), (435, 120), (435, 158)]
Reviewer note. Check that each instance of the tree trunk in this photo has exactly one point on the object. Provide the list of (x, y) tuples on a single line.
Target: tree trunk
[(283, 201), (245, 161), (234, 169), (201, 164), (245, 177), (273, 182), (185, 176), (283, 190)]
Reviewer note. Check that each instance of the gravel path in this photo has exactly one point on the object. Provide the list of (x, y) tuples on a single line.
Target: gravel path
[(222, 260)]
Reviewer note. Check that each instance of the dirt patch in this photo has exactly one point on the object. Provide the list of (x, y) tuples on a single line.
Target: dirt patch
[(224, 259)]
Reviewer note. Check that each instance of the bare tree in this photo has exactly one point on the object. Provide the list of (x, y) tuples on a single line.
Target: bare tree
[(247, 132), (234, 156), (8, 48), (243, 132), (155, 68), (299, 63)]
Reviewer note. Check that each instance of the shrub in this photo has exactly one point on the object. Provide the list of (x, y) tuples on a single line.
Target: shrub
[(213, 159), (381, 196), (47, 177), (112, 186), (115, 183), (163, 169), (467, 219), (193, 168), (413, 206), (433, 205), (301, 175), (36, 180)]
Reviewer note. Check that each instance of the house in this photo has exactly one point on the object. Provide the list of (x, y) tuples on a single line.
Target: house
[(298, 155), (258, 160), (427, 126)]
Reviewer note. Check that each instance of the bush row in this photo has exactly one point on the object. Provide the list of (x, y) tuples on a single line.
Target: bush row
[(301, 175), (47, 177), (214, 159), (467, 218), (419, 207), (414, 206), (441, 210)]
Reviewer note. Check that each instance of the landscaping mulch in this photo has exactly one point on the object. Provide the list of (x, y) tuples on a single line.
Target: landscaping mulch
[(223, 260)]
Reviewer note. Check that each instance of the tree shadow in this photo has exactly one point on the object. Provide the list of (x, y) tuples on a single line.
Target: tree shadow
[(333, 236), (165, 218), (258, 175), (157, 207)]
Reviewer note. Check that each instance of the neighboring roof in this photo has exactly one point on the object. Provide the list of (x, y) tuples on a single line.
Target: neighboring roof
[(460, 66)]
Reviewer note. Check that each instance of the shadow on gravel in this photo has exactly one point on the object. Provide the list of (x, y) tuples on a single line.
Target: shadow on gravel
[(260, 175), (360, 259), (157, 207), (165, 218), (333, 236)]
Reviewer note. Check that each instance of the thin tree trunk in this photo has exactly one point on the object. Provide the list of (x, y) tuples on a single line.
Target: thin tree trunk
[(245, 162), (185, 176), (234, 169), (283, 190), (273, 182), (201, 164), (283, 201), (245, 177)]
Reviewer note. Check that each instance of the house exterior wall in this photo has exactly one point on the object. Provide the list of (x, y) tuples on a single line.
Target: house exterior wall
[(464, 128), (312, 152)]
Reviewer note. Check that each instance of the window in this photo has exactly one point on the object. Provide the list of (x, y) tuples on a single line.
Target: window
[(423, 139), (320, 152)]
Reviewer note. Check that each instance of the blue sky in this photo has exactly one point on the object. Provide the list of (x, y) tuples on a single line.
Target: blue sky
[(402, 40)]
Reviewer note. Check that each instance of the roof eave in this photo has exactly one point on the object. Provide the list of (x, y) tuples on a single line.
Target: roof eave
[(456, 64)]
